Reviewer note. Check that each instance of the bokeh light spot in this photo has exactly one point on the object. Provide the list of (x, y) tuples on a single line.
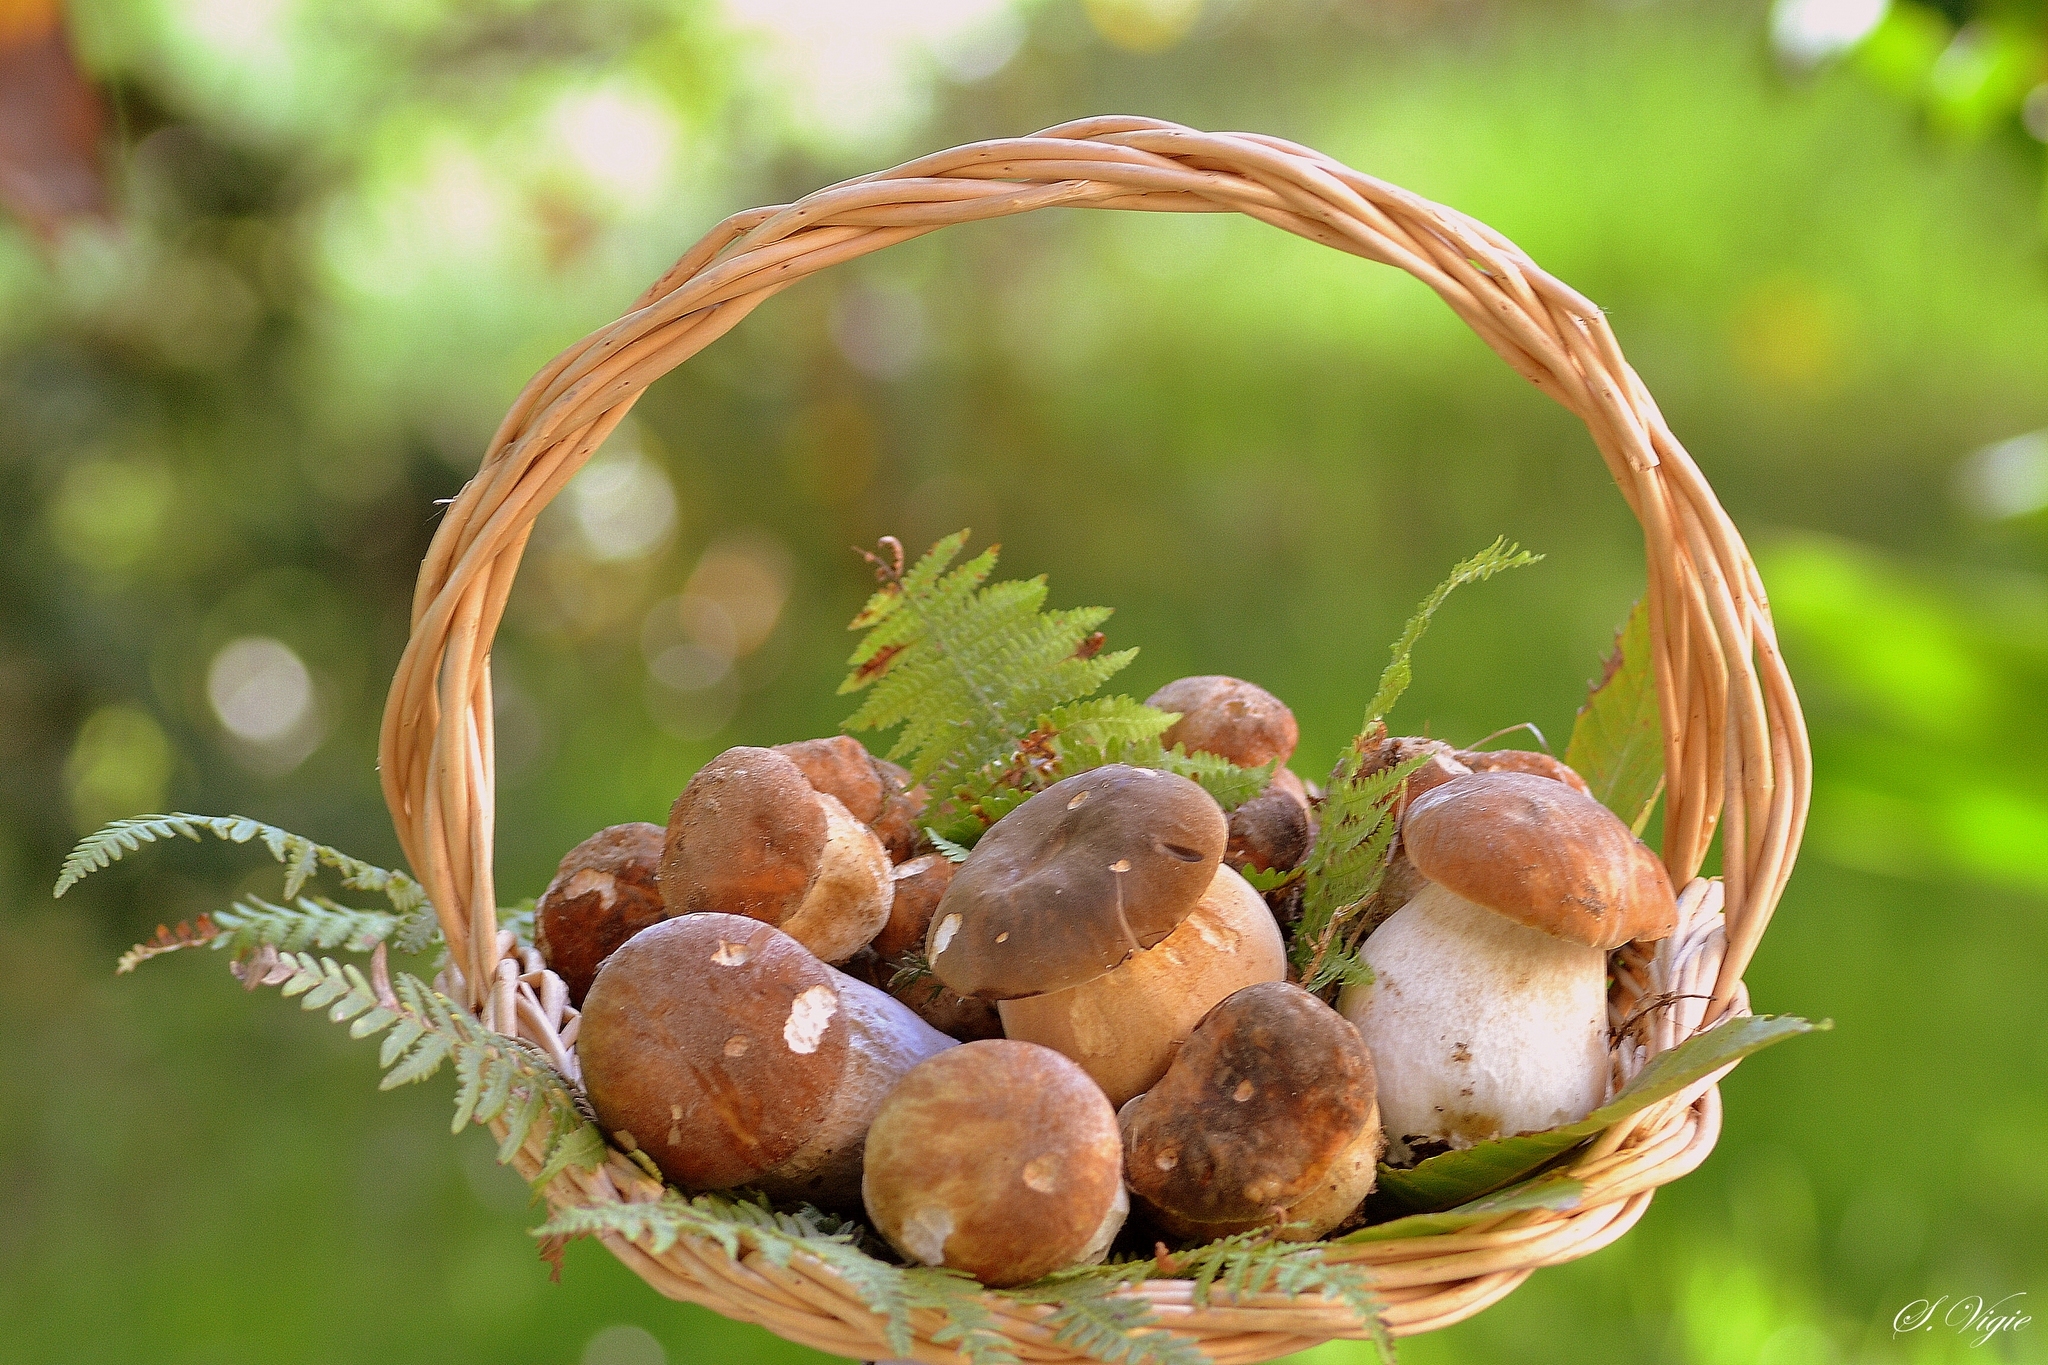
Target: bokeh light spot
[(260, 690), (1809, 31), (624, 1344), (119, 765), (624, 505), (880, 330), (2006, 480), (623, 143), (1143, 25)]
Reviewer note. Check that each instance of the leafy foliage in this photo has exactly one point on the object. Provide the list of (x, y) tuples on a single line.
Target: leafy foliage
[(1449, 1180), (496, 1076), (1357, 816), (993, 692), (1617, 742), (315, 922), (1557, 1193), (301, 857), (1250, 1263), (1093, 1318)]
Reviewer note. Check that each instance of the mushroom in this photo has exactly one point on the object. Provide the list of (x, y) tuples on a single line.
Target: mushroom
[(726, 1052), (751, 836), (1267, 1118), (603, 893), (998, 1158), (1229, 717), (1273, 829), (1124, 1026), (1487, 1012), (1440, 764), (1073, 881), (871, 789), (1523, 761)]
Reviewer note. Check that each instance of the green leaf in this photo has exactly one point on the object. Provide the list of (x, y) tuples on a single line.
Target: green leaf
[(1617, 743), (1266, 880), (1555, 1192), (1450, 1180)]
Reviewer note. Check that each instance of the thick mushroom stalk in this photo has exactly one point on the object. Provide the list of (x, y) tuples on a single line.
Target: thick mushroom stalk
[(1480, 1027), (1487, 1014)]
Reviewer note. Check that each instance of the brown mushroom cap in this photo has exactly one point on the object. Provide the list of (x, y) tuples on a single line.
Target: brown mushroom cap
[(1270, 1106), (751, 836), (1092, 869), (604, 893), (1523, 761), (1542, 854), (731, 1056), (920, 884), (1229, 717), (1272, 829), (998, 1158), (744, 838), (841, 767)]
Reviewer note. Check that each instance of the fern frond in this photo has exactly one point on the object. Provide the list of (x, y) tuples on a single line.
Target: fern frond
[(1251, 1263), (972, 1327), (1103, 730), (1395, 678), (1120, 1329), (189, 934)]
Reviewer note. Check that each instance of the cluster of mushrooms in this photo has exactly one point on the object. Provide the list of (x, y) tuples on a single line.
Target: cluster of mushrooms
[(1096, 1013)]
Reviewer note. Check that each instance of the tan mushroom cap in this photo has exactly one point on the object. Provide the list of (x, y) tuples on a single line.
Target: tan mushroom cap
[(842, 767), (1523, 761), (731, 1056), (1269, 1116), (1538, 852), (604, 892), (751, 836), (998, 1158), (1092, 869), (1229, 717)]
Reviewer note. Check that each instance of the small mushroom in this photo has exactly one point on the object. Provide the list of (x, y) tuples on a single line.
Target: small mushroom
[(1124, 1026), (872, 789), (1523, 761), (1269, 1117), (1229, 717), (998, 1158), (604, 893), (1487, 1012), (1092, 869), (726, 1052), (1273, 829), (751, 836)]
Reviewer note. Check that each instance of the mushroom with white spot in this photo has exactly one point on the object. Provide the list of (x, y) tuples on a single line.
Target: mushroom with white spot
[(997, 1158), (1229, 717), (1487, 1012), (604, 892), (751, 836), (726, 1052), (1268, 1118)]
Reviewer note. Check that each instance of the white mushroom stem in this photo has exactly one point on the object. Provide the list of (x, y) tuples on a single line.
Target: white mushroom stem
[(1479, 1027)]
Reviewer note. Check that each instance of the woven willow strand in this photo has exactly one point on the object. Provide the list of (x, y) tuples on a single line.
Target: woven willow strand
[(1735, 745)]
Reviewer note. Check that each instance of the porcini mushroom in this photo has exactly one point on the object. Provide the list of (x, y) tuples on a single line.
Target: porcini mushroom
[(1487, 1012), (871, 789), (1092, 869), (1523, 761), (726, 1052), (1273, 830), (998, 1158), (1124, 1026), (604, 892), (751, 836), (1268, 1117), (920, 883), (1229, 717)]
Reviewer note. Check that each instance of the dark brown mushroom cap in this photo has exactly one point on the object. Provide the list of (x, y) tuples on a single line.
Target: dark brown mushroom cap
[(1271, 830), (1229, 717), (1542, 854), (842, 767), (604, 892), (1522, 761), (999, 1158), (744, 838), (1092, 869), (1267, 1092), (697, 1040)]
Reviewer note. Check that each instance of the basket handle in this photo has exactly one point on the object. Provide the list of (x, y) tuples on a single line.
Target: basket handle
[(1735, 746)]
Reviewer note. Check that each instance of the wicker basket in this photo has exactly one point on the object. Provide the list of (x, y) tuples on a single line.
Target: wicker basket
[(1735, 746)]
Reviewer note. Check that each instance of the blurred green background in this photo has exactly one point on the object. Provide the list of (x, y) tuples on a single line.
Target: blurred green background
[(275, 268)]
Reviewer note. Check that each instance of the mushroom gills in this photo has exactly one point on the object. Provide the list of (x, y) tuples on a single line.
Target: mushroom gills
[(1479, 1027)]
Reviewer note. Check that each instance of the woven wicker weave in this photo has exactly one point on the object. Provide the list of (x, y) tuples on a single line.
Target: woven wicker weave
[(1735, 746)]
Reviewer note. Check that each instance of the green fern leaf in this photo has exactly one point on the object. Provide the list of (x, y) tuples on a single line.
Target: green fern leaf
[(972, 1327), (1119, 1329), (1395, 679)]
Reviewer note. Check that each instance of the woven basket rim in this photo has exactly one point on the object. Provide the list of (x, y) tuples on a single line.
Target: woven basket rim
[(1736, 752)]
